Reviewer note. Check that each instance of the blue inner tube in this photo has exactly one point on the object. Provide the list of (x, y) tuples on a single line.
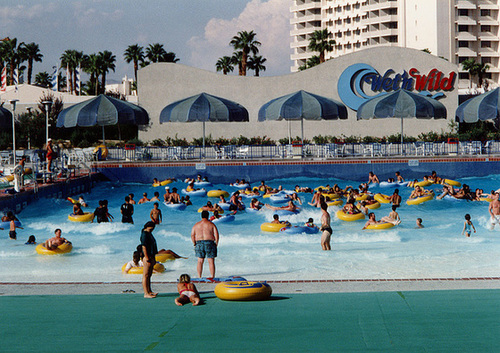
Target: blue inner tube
[(224, 206), (6, 225), (300, 229), (201, 192), (176, 206), (240, 186), (202, 183), (279, 198), (224, 219)]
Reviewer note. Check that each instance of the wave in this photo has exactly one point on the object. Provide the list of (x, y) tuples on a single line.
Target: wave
[(367, 237)]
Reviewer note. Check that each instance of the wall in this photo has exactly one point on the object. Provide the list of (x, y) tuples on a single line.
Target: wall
[(164, 83)]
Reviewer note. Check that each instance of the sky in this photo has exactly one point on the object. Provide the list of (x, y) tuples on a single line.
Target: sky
[(197, 31)]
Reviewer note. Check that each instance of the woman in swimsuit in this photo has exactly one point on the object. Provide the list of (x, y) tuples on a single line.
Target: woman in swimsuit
[(187, 291)]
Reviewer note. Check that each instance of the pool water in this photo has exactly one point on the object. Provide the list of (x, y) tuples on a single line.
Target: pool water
[(100, 250)]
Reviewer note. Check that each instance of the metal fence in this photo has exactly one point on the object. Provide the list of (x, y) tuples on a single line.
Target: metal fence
[(79, 156)]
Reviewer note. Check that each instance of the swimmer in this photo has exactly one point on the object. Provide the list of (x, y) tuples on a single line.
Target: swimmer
[(303, 189), (395, 199), (187, 292), (372, 178), (256, 204), (399, 178), (434, 178), (467, 226), (419, 223), (166, 195), (215, 216), (144, 198), (276, 220), (289, 207), (174, 197), (31, 240), (186, 200), (155, 214), (294, 197), (494, 211), (310, 223), (77, 209), (135, 262), (82, 202), (54, 242), (315, 201), (13, 227), (371, 220), (350, 208), (417, 192), (393, 217), (156, 197), (132, 201)]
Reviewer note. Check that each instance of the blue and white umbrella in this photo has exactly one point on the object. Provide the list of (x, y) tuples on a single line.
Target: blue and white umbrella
[(203, 107), (5, 118), (302, 105), (401, 104), (482, 107)]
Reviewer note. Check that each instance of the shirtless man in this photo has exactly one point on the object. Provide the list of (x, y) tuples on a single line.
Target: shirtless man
[(315, 201), (53, 243), (417, 192), (155, 214), (156, 197), (494, 210), (77, 209), (371, 220), (372, 178), (205, 238), (144, 199), (393, 217), (132, 201), (174, 197), (395, 198), (325, 227), (13, 227), (166, 196), (290, 207), (399, 178)]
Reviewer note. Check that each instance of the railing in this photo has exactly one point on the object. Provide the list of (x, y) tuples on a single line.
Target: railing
[(81, 158)]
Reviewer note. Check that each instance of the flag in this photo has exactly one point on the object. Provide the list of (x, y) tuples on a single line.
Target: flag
[(15, 78), (68, 87), (54, 79), (4, 79), (77, 81)]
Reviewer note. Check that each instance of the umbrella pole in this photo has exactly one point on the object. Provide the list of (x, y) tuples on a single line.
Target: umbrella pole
[(302, 137), (401, 136), (204, 139), (103, 138), (289, 132)]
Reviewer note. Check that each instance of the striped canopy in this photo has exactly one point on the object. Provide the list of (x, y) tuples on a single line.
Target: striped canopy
[(302, 105), (5, 118), (482, 107), (103, 111), (203, 107), (401, 104)]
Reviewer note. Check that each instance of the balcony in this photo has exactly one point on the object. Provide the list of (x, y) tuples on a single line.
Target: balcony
[(305, 19), (489, 52), (488, 20), (465, 36), (465, 5), (488, 36), (488, 5), (304, 31), (306, 6), (466, 52), (301, 56), (465, 20)]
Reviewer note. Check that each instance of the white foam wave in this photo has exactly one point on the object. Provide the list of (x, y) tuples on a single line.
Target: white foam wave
[(95, 250), (78, 227), (277, 238), (367, 237)]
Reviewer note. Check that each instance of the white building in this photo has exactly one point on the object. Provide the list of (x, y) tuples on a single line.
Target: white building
[(456, 30)]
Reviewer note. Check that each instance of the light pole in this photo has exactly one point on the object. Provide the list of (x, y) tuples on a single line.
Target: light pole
[(47, 105), (13, 102), (29, 137)]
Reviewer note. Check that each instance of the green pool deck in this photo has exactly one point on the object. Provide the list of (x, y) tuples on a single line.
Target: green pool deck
[(391, 321)]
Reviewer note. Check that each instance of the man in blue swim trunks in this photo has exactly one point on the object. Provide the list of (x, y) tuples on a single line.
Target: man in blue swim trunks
[(205, 238)]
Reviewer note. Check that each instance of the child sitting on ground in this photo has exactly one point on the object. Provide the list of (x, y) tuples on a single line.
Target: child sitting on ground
[(187, 291)]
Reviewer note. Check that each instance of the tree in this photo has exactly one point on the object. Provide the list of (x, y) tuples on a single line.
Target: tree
[(169, 57), (43, 79), (224, 64), (32, 52), (319, 42), (236, 60), (93, 68), (12, 55), (134, 53), (470, 65), (155, 52), (70, 60), (311, 62), (256, 63), (245, 41), (481, 69), (107, 60)]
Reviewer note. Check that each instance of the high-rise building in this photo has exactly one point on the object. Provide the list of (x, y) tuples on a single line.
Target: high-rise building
[(456, 30)]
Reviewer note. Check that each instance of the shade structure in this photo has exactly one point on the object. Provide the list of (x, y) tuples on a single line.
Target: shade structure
[(5, 118), (103, 111), (482, 107), (203, 107), (302, 105), (401, 104)]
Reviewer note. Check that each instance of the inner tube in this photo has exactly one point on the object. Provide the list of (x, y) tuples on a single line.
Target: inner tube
[(176, 206), (337, 202), (61, 249), (279, 198), (385, 225), (422, 183), (419, 200), (86, 217), (73, 201), (224, 206), (299, 230), (224, 219), (201, 210), (381, 198), (243, 291), (164, 257), (240, 186), (217, 193), (332, 196), (451, 182), (158, 267), (200, 192), (163, 183), (6, 224), (349, 217), (373, 206), (202, 183), (361, 197), (487, 199), (273, 227), (286, 212)]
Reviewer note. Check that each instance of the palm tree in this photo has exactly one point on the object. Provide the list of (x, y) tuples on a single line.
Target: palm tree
[(471, 66), (135, 54), (93, 68), (481, 69), (169, 57), (43, 79), (12, 54), (107, 63), (247, 43), (236, 60), (155, 52), (33, 53), (224, 64), (256, 63), (319, 42), (68, 60), (311, 62)]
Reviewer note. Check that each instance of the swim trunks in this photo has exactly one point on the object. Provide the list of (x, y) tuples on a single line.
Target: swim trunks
[(12, 234), (187, 293), (205, 248)]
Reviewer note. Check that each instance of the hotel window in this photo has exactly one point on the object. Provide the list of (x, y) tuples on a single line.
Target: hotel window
[(486, 28), (463, 12), (463, 44), (463, 28), (486, 44), (485, 12), (463, 76), (461, 59), (486, 60)]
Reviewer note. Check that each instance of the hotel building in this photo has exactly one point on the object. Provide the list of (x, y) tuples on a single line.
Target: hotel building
[(456, 30)]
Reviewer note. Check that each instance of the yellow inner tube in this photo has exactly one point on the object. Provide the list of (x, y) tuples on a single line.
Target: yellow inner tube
[(86, 217), (273, 227), (381, 198), (349, 217), (422, 183), (217, 193), (384, 225), (487, 199), (61, 249), (201, 210), (331, 196), (243, 291), (138, 270), (373, 206), (451, 182), (162, 183), (337, 202), (73, 201), (361, 197), (164, 257), (419, 200)]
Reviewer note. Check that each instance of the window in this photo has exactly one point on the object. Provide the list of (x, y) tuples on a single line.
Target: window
[(486, 28), (486, 60), (463, 12), (463, 44), (485, 13), (463, 28), (461, 59), (486, 44), (463, 76)]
